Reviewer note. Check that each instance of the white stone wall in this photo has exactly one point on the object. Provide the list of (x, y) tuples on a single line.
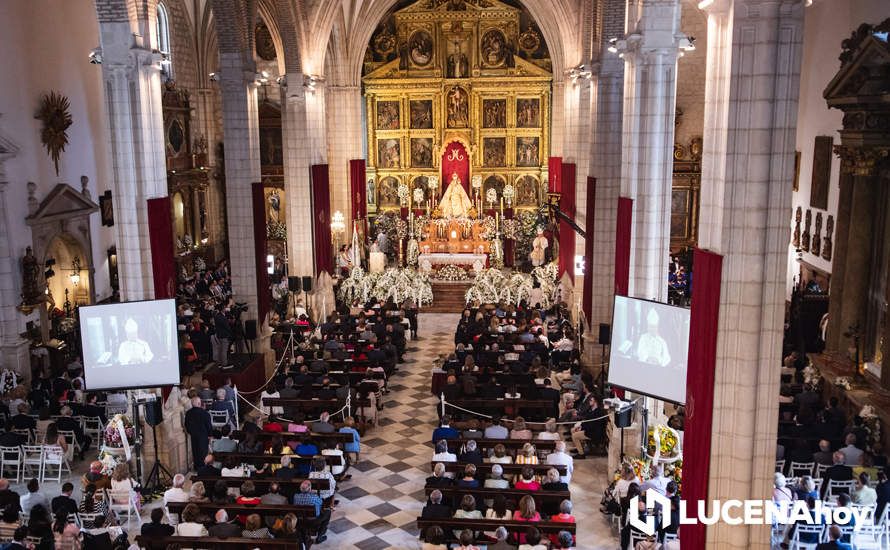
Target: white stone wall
[(345, 131)]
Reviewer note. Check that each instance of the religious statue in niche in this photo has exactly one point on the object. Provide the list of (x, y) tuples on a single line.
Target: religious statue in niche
[(388, 115), (30, 272), (372, 191), (539, 247), (826, 245), (388, 153), (495, 50), (494, 113), (455, 203), (805, 238), (494, 151), (795, 237), (527, 151), (422, 152), (389, 192), (421, 48), (458, 108), (274, 211), (56, 117), (421, 114), (528, 113), (527, 191), (816, 248), (458, 62)]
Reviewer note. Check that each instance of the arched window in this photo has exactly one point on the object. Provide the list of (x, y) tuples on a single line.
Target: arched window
[(163, 41)]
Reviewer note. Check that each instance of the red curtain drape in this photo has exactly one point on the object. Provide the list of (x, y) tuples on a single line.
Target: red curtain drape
[(587, 300), (554, 172), (160, 229), (263, 294), (700, 387), (358, 188), (622, 245), (321, 208), (566, 233), (455, 160)]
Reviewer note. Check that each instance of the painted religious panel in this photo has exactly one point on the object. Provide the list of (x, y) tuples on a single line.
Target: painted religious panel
[(493, 182), (822, 153), (421, 152), (680, 214), (527, 191), (494, 152), (494, 113), (389, 153), (271, 150), (389, 192), (528, 113), (458, 102), (420, 47), (527, 151), (420, 182), (421, 114), (388, 115), (495, 51)]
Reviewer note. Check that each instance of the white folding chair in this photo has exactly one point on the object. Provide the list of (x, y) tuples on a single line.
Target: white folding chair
[(869, 512), (93, 427), (815, 530), (218, 419), (24, 432), (32, 458), (836, 487), (120, 502), (73, 445), (780, 465), (800, 469), (88, 521), (635, 537), (818, 484), (868, 537), (820, 469), (24, 518), (11, 457), (54, 456)]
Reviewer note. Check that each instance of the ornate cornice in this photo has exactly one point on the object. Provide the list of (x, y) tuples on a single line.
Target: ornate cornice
[(851, 45), (861, 161)]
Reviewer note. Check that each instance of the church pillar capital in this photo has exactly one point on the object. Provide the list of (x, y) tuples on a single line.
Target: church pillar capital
[(862, 161)]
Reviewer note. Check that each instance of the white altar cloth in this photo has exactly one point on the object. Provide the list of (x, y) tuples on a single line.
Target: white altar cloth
[(427, 261), (377, 262)]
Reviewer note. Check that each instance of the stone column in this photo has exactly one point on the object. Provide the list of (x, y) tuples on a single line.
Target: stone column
[(133, 103), (650, 90), (344, 115), (751, 94), (305, 144), (13, 348), (242, 163)]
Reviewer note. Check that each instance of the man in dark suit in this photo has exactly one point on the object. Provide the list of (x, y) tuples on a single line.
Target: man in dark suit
[(8, 497), (222, 527), (823, 455), (93, 410), (550, 394), (435, 509), (883, 490), (68, 423), (838, 472), (289, 392), (286, 472), (155, 528), (199, 427), (12, 439), (22, 421), (63, 505)]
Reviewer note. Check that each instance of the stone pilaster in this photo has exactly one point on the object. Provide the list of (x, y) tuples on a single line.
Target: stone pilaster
[(752, 89), (133, 103), (344, 111), (242, 163), (13, 348), (650, 52), (305, 144)]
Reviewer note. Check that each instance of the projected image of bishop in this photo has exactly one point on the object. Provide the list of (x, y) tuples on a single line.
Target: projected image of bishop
[(133, 350), (652, 348)]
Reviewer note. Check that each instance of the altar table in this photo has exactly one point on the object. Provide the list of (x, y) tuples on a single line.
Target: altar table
[(439, 259)]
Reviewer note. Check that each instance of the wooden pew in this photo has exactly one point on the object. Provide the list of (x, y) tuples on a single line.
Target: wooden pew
[(263, 458), (452, 524), (335, 437), (510, 444), (211, 543), (262, 483), (233, 509), (521, 404), (509, 469), (455, 494)]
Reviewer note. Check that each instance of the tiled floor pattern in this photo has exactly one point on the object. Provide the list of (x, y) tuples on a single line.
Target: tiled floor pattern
[(379, 505)]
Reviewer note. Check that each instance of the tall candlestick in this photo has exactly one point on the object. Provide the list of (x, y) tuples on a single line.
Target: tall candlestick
[(502, 207)]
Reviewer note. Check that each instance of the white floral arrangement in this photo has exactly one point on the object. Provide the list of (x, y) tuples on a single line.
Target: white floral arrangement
[(403, 193), (280, 292), (509, 192), (547, 277), (492, 286), (510, 227), (398, 284), (489, 228), (420, 225), (491, 195), (401, 229), (8, 381), (199, 264), (812, 378), (418, 195), (872, 424), (67, 324), (413, 252), (843, 382), (452, 272), (496, 258)]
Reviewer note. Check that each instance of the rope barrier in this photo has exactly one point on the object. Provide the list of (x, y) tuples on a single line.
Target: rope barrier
[(572, 423), (289, 345)]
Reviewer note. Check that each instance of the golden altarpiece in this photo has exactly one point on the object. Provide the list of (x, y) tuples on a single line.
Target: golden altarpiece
[(457, 87)]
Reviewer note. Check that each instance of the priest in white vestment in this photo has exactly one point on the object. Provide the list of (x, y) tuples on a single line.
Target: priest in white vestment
[(652, 348)]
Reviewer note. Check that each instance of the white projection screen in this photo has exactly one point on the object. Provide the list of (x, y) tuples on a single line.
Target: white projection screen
[(129, 345), (650, 346)]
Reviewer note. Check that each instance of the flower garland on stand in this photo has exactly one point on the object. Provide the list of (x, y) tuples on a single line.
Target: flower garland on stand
[(492, 285), (872, 424), (812, 378), (119, 434), (394, 283)]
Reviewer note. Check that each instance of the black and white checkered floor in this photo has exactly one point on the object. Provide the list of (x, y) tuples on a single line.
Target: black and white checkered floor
[(379, 505)]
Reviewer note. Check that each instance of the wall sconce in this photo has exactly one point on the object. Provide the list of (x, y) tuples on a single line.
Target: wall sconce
[(613, 45), (75, 267), (310, 81), (96, 56), (48, 272), (581, 71), (685, 44), (214, 77), (270, 264), (261, 78), (282, 81)]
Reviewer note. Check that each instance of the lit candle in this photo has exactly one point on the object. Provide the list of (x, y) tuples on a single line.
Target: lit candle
[(454, 234)]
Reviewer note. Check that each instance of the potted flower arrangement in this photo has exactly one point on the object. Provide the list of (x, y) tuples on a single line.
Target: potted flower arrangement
[(872, 424), (112, 434), (663, 444)]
